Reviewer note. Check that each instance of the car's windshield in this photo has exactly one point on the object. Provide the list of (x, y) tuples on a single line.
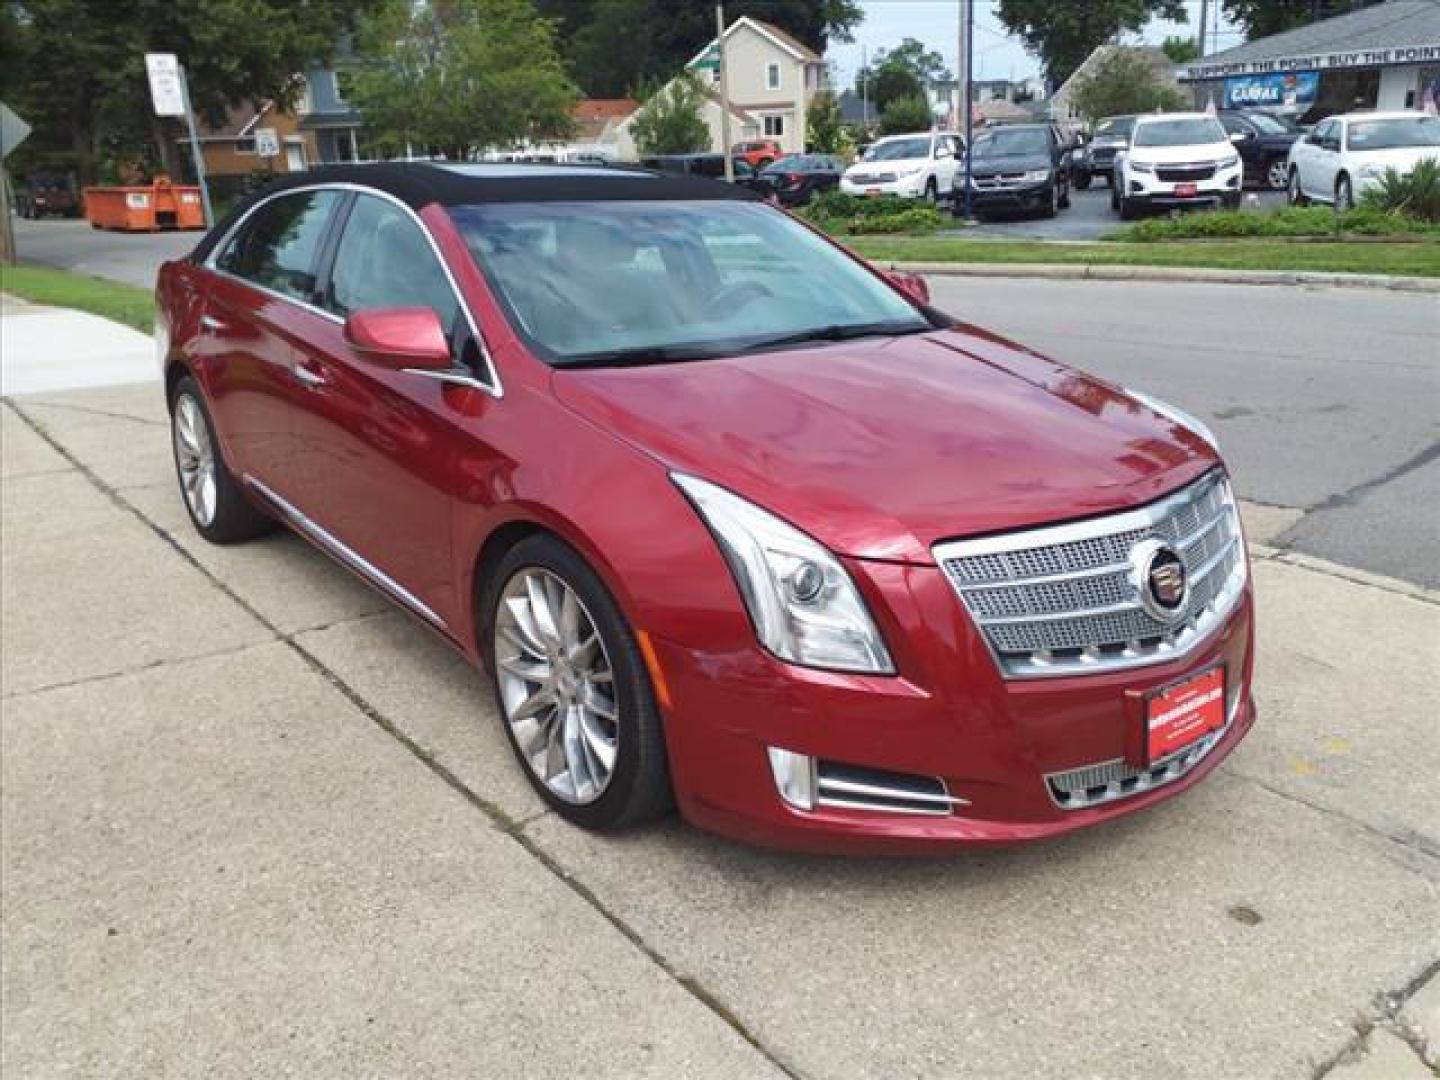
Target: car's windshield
[(1116, 127), (1186, 132), (1008, 142), (1271, 125), (1394, 133), (598, 282), (898, 149)]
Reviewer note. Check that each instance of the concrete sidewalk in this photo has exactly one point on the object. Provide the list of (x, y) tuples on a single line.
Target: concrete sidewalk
[(45, 348), (257, 823)]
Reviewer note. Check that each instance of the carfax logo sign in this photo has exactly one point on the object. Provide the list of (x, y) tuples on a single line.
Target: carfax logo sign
[(1290, 88)]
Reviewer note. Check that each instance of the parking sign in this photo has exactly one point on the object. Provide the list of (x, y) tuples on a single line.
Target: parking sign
[(165, 89)]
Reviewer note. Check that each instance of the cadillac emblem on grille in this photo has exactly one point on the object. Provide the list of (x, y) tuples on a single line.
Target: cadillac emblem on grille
[(1160, 579)]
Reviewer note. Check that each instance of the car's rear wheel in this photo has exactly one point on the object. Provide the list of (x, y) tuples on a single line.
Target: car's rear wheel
[(1344, 194), (1129, 209), (1277, 174), (573, 688), (217, 506)]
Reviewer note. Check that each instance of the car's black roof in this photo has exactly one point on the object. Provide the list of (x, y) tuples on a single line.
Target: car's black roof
[(420, 183)]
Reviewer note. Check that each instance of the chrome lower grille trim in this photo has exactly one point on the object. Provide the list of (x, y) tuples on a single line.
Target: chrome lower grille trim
[(1064, 600), (850, 787), (1106, 781)]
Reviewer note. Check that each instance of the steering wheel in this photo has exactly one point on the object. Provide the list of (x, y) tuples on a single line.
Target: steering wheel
[(735, 297)]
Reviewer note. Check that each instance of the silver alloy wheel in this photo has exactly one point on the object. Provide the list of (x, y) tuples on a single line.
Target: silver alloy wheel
[(1278, 175), (557, 686), (195, 456)]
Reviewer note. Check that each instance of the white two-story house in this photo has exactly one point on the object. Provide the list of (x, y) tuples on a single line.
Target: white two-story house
[(771, 78)]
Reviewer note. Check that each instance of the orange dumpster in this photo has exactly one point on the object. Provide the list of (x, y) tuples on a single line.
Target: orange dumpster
[(145, 208)]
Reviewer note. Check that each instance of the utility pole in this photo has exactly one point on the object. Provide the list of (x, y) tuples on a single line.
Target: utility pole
[(865, 88), (724, 93), (1204, 17), (967, 35)]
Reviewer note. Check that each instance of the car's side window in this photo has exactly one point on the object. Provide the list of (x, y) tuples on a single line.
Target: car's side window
[(383, 260), (278, 245)]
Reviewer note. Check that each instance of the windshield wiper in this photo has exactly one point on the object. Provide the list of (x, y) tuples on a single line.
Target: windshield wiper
[(838, 332), (636, 357)]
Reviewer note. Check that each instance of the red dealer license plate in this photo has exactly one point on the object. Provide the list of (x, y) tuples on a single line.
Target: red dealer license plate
[(1185, 191), (1186, 711)]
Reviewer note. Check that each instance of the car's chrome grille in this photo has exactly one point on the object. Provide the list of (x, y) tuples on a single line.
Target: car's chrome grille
[(997, 181), (1066, 599), (1092, 785), (873, 178), (1171, 174)]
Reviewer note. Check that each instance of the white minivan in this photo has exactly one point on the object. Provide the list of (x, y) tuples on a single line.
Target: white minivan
[(1343, 155), (1176, 159), (912, 166)]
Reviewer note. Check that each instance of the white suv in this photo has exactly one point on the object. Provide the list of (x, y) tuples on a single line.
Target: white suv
[(1176, 159), (911, 166), (1344, 155)]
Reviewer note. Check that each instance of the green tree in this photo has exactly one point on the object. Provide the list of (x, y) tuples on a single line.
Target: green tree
[(670, 122), (906, 114), (1261, 18), (901, 72), (461, 75), (1062, 34), (1180, 50), (824, 128), (616, 46), (1125, 81), (85, 89)]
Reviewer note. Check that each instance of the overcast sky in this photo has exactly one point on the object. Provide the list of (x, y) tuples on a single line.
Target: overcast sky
[(997, 54)]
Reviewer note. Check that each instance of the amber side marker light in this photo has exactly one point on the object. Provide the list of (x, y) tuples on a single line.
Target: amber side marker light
[(657, 676)]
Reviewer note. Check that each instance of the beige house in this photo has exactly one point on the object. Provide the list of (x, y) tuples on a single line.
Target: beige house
[(772, 78)]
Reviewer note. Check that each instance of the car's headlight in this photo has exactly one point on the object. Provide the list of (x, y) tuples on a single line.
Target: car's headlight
[(804, 606), (1230, 162), (1141, 166), (1035, 176), (1179, 416), (910, 170)]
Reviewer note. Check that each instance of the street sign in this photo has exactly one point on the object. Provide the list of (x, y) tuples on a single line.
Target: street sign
[(166, 91), (267, 142), (13, 130)]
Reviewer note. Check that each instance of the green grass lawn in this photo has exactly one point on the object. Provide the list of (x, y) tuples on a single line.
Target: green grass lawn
[(127, 304), (1421, 259)]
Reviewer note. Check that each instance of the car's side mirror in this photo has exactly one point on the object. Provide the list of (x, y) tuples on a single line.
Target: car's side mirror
[(401, 337), (912, 285)]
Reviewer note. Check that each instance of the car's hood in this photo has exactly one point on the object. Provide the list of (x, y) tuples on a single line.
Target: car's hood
[(1402, 158), (888, 165), (1008, 163), (880, 448), (1170, 155)]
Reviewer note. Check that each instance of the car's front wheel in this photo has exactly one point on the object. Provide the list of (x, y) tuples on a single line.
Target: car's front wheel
[(1294, 193), (1052, 202), (573, 688), (1082, 181), (1344, 194), (218, 508)]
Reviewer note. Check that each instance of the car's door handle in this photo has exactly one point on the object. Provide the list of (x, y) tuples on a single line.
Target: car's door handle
[(210, 322), (309, 376)]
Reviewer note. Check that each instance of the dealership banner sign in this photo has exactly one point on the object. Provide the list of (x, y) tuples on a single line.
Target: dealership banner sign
[(1360, 58), (1257, 91)]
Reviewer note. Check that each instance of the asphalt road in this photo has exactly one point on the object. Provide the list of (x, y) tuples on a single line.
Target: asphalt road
[(1327, 401)]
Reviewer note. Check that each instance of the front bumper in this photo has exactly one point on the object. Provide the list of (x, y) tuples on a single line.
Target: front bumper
[(905, 187), (1148, 188), (948, 716), (1028, 198)]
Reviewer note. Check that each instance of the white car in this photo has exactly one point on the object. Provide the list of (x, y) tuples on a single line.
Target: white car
[(911, 166), (1176, 159), (1344, 155)]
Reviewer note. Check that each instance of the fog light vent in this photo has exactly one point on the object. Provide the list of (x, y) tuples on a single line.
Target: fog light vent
[(851, 787)]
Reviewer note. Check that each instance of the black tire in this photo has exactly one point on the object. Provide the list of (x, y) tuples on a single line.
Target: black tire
[(1065, 197), (236, 518), (1294, 194), (1230, 202), (932, 191), (1114, 197), (1052, 202), (1344, 195), (1129, 209), (639, 788), (1082, 181)]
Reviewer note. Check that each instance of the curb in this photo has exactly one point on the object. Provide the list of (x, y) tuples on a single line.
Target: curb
[(1352, 574), (1203, 275)]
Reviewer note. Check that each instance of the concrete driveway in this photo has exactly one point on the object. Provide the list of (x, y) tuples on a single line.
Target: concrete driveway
[(257, 823)]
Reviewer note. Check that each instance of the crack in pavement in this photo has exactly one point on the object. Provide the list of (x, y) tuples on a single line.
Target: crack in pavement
[(1386, 1009), (88, 411), (499, 819), (106, 676)]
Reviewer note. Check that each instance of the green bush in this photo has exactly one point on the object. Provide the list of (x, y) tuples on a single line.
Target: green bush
[(1292, 221), (836, 204), (916, 219), (1416, 195)]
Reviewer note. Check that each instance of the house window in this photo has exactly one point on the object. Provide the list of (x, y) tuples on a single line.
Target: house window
[(774, 127), (715, 75), (244, 146), (772, 76)]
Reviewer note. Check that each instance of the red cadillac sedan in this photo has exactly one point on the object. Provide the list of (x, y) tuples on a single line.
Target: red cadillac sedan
[(734, 520)]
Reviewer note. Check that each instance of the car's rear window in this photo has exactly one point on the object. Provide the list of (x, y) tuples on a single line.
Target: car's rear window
[(1394, 133)]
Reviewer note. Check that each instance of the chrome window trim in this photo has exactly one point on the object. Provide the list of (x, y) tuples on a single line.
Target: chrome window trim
[(346, 554), (492, 386)]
